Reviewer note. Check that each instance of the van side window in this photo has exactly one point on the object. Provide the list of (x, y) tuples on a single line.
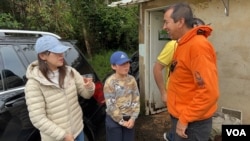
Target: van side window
[(1, 83), (12, 70), (11, 80)]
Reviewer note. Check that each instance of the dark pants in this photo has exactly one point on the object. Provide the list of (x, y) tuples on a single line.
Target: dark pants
[(196, 131), (116, 132)]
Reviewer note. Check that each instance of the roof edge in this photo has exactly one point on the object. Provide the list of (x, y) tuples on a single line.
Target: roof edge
[(126, 2)]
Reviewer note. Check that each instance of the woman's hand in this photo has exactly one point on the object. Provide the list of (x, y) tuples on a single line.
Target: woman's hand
[(88, 83)]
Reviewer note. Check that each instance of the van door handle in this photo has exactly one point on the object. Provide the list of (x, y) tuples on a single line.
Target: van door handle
[(15, 102)]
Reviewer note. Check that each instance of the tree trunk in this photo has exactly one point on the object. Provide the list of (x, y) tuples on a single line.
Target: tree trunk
[(87, 43)]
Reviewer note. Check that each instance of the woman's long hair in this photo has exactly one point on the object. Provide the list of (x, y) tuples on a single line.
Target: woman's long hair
[(43, 67)]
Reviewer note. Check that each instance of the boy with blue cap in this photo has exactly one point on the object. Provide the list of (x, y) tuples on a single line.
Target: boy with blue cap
[(122, 100)]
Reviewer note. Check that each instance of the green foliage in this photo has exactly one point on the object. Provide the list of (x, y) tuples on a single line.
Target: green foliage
[(8, 22), (117, 27), (106, 27), (100, 62), (53, 16), (95, 25)]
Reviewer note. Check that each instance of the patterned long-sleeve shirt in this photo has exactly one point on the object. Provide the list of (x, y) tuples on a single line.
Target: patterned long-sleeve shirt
[(122, 98)]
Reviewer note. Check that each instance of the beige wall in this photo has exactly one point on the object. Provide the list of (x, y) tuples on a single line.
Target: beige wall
[(231, 41)]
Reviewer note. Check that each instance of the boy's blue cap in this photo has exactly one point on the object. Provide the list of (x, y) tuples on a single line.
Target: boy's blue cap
[(118, 58), (49, 43)]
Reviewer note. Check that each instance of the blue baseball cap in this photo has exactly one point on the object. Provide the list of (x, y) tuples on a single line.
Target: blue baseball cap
[(118, 58), (49, 43)]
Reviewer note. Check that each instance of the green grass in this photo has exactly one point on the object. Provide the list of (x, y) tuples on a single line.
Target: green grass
[(100, 62)]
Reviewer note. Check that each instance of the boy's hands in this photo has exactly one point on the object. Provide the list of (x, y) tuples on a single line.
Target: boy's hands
[(129, 124)]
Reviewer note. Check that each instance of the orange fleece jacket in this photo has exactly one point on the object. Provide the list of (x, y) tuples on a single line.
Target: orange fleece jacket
[(193, 89)]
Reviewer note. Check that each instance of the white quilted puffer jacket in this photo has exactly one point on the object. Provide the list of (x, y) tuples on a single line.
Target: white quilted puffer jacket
[(52, 110)]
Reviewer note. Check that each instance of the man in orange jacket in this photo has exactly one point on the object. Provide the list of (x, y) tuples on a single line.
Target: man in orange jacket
[(193, 89)]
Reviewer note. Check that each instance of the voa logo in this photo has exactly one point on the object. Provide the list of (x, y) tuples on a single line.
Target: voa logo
[(236, 132)]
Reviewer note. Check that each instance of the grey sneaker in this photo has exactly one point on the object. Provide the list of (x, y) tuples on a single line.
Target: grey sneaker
[(168, 136), (165, 136)]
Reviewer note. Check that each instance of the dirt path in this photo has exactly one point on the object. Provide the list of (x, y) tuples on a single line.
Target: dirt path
[(152, 127)]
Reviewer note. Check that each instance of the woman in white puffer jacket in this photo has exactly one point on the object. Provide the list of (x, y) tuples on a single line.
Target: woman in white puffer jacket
[(51, 93)]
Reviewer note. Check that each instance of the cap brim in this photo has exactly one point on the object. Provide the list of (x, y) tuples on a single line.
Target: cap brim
[(123, 61), (59, 49)]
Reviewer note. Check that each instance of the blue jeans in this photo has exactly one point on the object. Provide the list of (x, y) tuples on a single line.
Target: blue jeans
[(116, 132), (196, 131), (80, 137)]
